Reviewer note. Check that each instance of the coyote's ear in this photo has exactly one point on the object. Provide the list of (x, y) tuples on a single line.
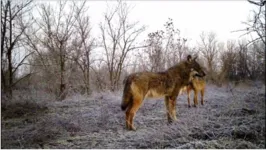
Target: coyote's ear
[(189, 58)]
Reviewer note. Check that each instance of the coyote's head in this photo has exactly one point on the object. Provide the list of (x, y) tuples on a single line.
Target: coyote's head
[(193, 64), (193, 74)]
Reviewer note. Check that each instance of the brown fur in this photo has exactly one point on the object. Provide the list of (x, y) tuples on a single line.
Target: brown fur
[(141, 85), (197, 85)]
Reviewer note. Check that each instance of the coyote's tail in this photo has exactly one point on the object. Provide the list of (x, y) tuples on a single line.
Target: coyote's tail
[(127, 95)]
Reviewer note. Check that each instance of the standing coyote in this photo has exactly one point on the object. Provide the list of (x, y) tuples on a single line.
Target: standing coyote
[(197, 85), (165, 84)]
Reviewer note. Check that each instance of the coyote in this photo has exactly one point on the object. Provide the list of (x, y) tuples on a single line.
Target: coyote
[(167, 84), (197, 85)]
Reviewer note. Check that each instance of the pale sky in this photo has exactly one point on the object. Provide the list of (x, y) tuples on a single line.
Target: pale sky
[(190, 17)]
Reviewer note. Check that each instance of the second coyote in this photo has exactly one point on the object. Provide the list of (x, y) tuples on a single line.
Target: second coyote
[(197, 85)]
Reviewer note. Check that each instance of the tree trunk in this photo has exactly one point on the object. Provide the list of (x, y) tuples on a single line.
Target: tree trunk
[(111, 80), (88, 82), (10, 76), (9, 57), (88, 74), (62, 93)]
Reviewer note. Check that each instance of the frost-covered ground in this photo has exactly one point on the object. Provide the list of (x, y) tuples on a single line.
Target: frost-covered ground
[(229, 119)]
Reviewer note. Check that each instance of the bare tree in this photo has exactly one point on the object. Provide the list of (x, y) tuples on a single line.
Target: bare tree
[(83, 45), (155, 51), (175, 46), (228, 62), (257, 23), (257, 60), (52, 41), (242, 64), (99, 81), (209, 50), (118, 38), (14, 21), (166, 48)]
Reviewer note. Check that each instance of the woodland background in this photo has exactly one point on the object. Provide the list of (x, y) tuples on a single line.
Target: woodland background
[(52, 57)]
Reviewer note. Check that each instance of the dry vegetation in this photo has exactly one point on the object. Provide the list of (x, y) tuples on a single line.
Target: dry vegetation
[(230, 118), (55, 75)]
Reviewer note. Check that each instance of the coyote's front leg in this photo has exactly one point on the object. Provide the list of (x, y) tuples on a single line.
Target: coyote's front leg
[(170, 109)]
